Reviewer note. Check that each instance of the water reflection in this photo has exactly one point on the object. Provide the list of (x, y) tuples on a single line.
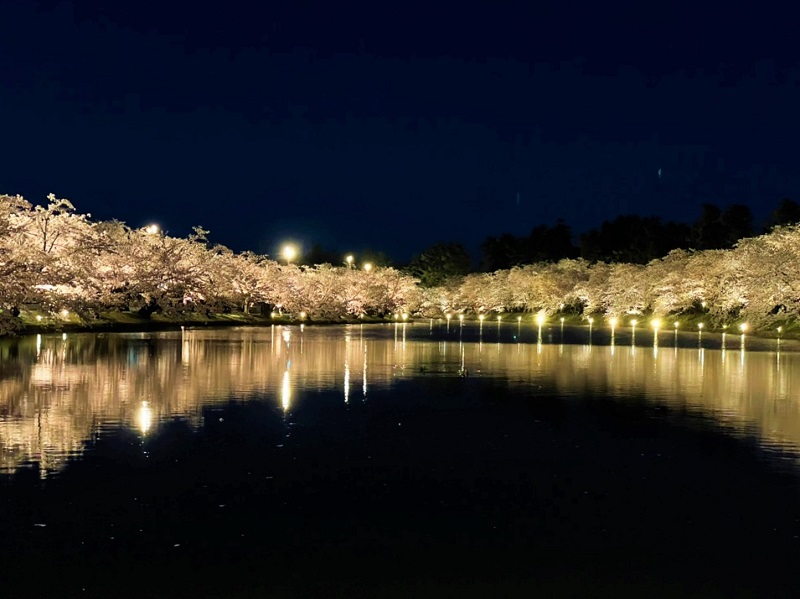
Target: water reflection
[(56, 394)]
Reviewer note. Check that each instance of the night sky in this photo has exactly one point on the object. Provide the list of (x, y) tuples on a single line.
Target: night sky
[(394, 125)]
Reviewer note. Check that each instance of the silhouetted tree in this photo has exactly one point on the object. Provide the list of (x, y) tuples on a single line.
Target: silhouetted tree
[(707, 230), (543, 244), (549, 244), (737, 222), (439, 263), (502, 252), (787, 213), (632, 238)]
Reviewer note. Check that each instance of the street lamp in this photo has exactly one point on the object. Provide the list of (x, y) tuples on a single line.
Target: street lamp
[(349, 260), (368, 266), (289, 252), (152, 229)]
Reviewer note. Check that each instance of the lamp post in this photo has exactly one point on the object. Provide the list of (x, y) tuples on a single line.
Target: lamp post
[(289, 253)]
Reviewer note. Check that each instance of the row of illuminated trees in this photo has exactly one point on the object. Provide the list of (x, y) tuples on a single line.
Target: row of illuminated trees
[(54, 259)]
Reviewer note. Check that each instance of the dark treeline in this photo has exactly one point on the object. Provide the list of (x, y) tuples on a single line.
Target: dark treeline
[(629, 238), (633, 238)]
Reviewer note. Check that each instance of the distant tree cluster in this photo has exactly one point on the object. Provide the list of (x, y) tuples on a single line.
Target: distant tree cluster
[(632, 238)]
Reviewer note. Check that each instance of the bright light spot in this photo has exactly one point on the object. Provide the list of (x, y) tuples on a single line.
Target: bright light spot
[(302, 315), (613, 321), (700, 325), (499, 317), (39, 317), (63, 336), (634, 322), (144, 417), (676, 324), (780, 329), (287, 335), (481, 317), (703, 304), (368, 266), (743, 327), (273, 314), (591, 320), (724, 326), (656, 323), (519, 318), (448, 316), (562, 320), (289, 252), (461, 317), (540, 318), (349, 259), (65, 313), (152, 229), (405, 315), (286, 391)]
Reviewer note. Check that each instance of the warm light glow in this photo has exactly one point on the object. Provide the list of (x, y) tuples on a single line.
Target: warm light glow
[(613, 321), (273, 314), (703, 304), (519, 318), (405, 315), (540, 319), (481, 317), (676, 324), (144, 417), (700, 325), (152, 229), (780, 329), (349, 259), (286, 391), (289, 252), (591, 320), (461, 318), (65, 313), (656, 322), (498, 318), (368, 266), (302, 315), (634, 322), (743, 327), (448, 317), (562, 320), (39, 317)]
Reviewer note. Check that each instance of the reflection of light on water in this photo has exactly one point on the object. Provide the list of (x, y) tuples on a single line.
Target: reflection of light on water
[(346, 382), (286, 390), (144, 417), (346, 368), (99, 386), (364, 375)]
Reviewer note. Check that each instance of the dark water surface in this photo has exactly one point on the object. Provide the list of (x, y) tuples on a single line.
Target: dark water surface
[(361, 461)]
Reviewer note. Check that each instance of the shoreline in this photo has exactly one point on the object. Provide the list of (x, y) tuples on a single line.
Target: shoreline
[(119, 322)]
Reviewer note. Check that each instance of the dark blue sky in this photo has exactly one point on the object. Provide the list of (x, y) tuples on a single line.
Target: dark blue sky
[(396, 125)]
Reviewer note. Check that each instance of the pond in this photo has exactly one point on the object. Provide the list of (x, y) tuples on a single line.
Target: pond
[(420, 459)]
